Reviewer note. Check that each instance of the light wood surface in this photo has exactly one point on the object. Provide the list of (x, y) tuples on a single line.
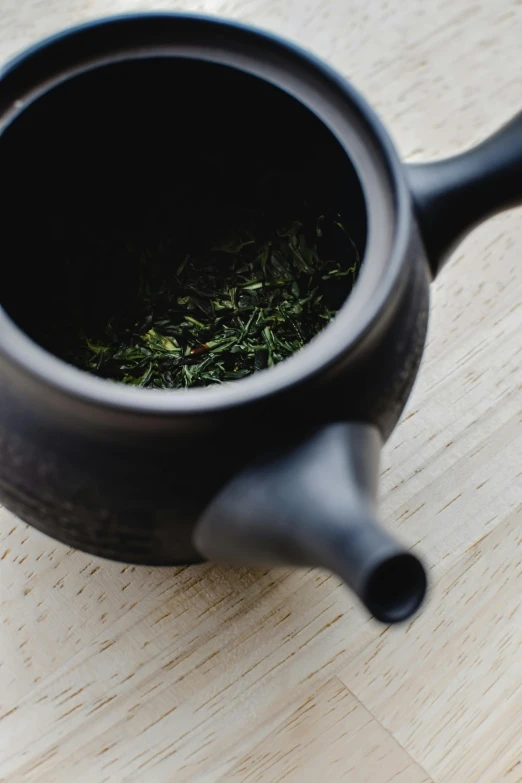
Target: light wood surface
[(207, 674)]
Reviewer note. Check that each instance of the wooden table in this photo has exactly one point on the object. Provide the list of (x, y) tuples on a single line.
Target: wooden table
[(205, 674)]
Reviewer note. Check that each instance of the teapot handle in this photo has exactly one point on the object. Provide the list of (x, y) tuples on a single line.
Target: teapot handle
[(315, 506), (453, 195)]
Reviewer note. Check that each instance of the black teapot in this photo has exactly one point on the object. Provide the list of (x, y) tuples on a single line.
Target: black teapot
[(278, 468)]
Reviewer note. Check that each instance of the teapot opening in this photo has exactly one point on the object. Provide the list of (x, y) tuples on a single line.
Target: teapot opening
[(116, 174), (396, 588)]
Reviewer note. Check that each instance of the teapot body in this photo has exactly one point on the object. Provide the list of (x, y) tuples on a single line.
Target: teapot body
[(279, 467)]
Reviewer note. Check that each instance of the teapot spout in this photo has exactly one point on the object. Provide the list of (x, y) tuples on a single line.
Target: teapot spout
[(315, 505)]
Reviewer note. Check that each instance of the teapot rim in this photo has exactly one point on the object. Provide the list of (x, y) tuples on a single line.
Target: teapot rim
[(351, 121)]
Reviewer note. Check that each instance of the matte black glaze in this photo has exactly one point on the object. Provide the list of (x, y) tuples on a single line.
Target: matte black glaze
[(128, 473), (317, 503), (452, 196), (132, 487)]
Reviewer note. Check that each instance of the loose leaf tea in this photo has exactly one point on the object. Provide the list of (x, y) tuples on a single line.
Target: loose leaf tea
[(245, 300)]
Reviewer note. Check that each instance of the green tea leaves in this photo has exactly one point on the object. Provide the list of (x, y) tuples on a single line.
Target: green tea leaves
[(236, 305)]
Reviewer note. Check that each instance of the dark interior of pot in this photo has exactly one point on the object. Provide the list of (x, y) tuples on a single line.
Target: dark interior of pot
[(134, 166)]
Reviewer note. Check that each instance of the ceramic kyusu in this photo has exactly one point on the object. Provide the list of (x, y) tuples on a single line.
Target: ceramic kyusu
[(277, 468)]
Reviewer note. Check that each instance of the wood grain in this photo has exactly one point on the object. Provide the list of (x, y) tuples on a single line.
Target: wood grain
[(206, 674), (452, 696), (329, 733)]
